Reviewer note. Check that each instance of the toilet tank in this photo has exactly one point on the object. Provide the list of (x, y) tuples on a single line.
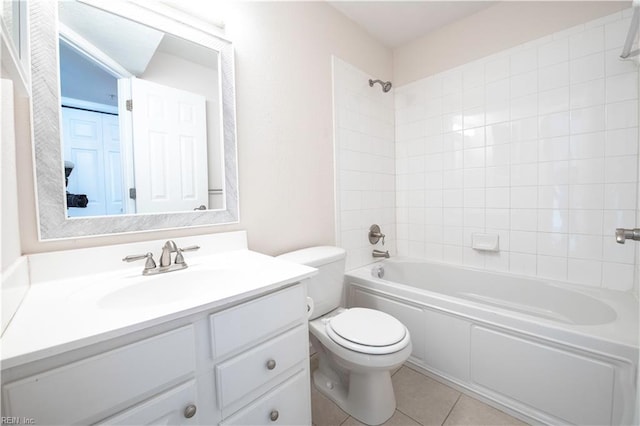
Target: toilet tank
[(325, 288)]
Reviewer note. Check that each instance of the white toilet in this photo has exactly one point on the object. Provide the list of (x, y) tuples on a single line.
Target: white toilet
[(357, 347)]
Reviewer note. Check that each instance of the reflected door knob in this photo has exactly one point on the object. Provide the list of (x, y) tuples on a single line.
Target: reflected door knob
[(274, 415), (190, 411)]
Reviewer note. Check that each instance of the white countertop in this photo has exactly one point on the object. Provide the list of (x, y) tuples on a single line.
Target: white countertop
[(67, 313)]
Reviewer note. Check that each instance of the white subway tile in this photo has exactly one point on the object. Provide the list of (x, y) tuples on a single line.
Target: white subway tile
[(586, 68), (498, 219), (619, 253), (615, 33), (497, 198), (498, 134), (524, 219), (474, 158), (614, 66), (473, 98), (497, 112), (586, 196), (586, 43), (522, 61), (616, 276), (497, 69), (474, 138), (496, 261), (474, 178), (433, 126), (451, 82), (585, 247), (453, 198), (622, 87), (586, 171), (497, 176), (553, 173), (524, 84), (621, 142), (553, 197), (588, 93), (525, 106), (585, 272), (553, 149), (452, 160), (473, 117), (556, 100), (524, 152), (432, 108), (474, 199), (585, 222), (524, 129), (552, 244), (553, 220), (554, 76), (523, 242), (553, 52), (451, 122), (554, 125), (621, 169), (498, 155), (453, 216), (451, 102), (497, 91), (452, 179), (473, 258), (474, 218), (524, 174), (617, 219), (452, 254), (586, 120), (554, 268), (587, 145), (523, 264), (622, 114), (620, 196), (524, 197)]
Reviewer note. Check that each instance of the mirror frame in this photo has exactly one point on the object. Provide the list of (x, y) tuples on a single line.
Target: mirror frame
[(47, 150)]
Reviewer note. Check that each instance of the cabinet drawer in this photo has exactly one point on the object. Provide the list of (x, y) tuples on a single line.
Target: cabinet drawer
[(289, 404), (168, 408), (93, 388), (254, 368), (243, 325)]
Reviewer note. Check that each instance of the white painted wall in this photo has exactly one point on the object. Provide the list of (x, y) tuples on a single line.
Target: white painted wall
[(500, 27), (537, 144)]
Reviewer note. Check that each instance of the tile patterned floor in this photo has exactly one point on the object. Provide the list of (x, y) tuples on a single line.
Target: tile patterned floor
[(421, 401)]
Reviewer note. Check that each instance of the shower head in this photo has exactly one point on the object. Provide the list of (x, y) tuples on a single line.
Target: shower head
[(386, 85)]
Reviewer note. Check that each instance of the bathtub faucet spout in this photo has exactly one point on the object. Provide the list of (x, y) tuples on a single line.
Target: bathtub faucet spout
[(380, 253)]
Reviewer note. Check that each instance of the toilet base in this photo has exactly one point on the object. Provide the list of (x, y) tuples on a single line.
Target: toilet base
[(369, 398)]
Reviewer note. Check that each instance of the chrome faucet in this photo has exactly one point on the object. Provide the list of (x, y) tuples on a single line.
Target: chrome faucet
[(623, 234), (375, 235), (380, 253), (169, 247)]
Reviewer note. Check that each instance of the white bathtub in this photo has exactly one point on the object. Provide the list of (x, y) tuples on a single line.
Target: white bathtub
[(543, 351)]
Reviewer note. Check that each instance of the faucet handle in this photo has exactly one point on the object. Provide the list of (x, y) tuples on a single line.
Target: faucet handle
[(180, 258), (149, 264)]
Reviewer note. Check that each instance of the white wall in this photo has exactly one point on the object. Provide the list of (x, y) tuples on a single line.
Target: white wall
[(365, 163), (499, 27), (285, 126), (538, 144)]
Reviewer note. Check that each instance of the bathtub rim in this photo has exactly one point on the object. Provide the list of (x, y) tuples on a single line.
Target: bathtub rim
[(622, 333)]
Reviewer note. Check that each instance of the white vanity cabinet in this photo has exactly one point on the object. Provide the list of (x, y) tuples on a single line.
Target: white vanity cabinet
[(244, 364)]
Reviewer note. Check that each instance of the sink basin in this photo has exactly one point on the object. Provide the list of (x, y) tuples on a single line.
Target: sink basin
[(168, 288), (171, 288)]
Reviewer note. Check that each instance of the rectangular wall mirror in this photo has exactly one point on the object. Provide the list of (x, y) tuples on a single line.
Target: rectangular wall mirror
[(134, 120)]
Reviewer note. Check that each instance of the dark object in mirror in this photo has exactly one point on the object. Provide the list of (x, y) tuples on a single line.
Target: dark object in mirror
[(73, 200), (77, 200)]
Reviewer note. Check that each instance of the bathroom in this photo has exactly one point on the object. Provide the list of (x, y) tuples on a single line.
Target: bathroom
[(302, 166)]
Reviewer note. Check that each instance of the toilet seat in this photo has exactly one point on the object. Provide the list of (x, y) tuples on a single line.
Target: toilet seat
[(367, 331)]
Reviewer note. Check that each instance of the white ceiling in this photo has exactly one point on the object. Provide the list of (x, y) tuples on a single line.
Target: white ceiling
[(395, 23)]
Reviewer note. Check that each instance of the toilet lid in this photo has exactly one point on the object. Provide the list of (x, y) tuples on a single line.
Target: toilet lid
[(367, 330)]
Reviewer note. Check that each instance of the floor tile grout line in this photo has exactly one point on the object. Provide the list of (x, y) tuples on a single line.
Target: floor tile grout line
[(421, 424), (452, 407)]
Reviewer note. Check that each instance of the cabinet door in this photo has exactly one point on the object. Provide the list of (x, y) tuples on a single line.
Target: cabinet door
[(169, 408)]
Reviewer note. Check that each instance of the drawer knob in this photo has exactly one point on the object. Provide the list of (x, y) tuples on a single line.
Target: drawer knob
[(274, 415), (190, 411), (271, 364)]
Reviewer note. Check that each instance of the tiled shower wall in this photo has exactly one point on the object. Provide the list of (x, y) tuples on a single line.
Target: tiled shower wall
[(364, 162), (538, 144)]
